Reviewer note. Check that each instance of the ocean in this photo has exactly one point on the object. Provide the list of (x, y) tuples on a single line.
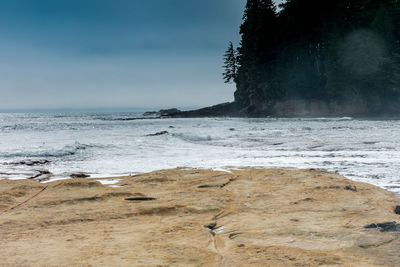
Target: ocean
[(55, 145)]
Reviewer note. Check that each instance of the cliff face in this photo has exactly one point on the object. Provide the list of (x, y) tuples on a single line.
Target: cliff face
[(188, 217)]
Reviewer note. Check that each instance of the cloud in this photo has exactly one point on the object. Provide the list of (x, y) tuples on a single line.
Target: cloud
[(75, 53)]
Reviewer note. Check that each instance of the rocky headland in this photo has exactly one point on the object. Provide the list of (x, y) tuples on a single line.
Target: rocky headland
[(191, 217), (293, 108)]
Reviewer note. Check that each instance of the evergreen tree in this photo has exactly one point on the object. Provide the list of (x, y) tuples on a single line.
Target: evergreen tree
[(230, 64), (331, 50), (256, 52)]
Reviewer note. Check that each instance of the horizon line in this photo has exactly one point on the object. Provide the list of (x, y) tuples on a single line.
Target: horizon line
[(93, 109)]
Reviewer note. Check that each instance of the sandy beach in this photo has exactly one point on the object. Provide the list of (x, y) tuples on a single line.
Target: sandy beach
[(191, 217)]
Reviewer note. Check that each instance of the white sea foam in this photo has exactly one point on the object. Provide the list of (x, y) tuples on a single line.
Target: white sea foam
[(109, 181), (106, 146), (42, 152), (222, 170)]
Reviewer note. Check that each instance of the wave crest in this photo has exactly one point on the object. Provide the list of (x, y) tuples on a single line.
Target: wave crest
[(193, 138), (67, 150)]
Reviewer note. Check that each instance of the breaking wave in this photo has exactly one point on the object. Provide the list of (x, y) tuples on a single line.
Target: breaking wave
[(193, 138), (67, 150)]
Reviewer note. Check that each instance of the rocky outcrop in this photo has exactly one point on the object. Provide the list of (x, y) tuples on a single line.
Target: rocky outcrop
[(225, 109), (30, 162), (287, 108), (41, 175), (190, 217), (158, 133), (384, 227), (79, 175), (162, 113)]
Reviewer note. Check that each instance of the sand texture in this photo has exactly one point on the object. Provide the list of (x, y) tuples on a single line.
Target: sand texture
[(189, 217)]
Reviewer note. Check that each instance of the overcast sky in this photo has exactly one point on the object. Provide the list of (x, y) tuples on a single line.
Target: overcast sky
[(115, 53)]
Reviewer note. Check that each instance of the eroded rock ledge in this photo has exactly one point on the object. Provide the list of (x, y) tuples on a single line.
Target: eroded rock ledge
[(187, 217), (292, 108)]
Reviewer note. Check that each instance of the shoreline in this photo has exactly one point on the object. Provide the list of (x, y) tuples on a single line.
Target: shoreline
[(194, 217), (57, 147), (289, 108), (227, 169)]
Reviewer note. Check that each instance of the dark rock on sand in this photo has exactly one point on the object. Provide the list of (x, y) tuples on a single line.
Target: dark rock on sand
[(371, 226), (41, 176), (351, 188), (397, 210), (79, 175), (211, 226), (384, 227), (140, 198)]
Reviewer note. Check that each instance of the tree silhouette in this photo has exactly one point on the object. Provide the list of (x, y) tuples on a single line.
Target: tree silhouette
[(230, 64), (343, 51)]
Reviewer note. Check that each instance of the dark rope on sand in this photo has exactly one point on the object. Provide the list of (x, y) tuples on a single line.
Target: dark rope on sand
[(22, 203)]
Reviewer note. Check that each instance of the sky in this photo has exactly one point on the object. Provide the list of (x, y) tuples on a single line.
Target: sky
[(67, 54)]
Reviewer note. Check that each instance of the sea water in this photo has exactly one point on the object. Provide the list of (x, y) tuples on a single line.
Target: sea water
[(116, 144)]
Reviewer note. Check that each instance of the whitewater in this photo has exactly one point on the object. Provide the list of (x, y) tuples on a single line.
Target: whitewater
[(117, 144)]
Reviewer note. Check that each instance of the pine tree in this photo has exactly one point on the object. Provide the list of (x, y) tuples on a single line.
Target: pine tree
[(257, 52), (230, 64), (331, 50)]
